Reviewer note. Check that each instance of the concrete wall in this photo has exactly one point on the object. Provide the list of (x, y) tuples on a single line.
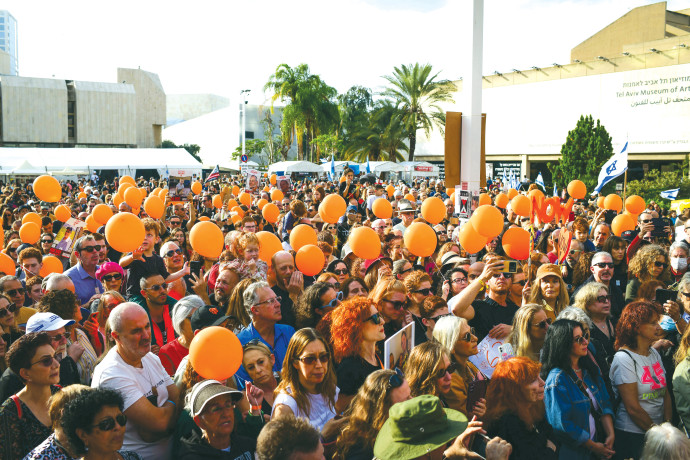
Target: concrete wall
[(106, 113), (33, 110), (183, 107), (150, 105), (5, 67)]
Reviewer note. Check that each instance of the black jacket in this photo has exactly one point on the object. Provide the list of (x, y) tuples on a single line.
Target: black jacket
[(194, 447)]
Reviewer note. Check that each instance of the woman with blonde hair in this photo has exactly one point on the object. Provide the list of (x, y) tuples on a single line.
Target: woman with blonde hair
[(549, 290), (258, 361), (390, 296), (593, 298), (308, 381), (236, 310), (460, 341), (428, 370), (649, 263), (530, 324)]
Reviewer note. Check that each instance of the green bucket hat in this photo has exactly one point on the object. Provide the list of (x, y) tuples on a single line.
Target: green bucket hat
[(416, 427)]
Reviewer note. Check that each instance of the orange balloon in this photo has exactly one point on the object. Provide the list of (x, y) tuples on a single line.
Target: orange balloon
[(269, 244), (577, 189), (309, 259), (32, 217), (273, 179), (516, 243), (635, 204), (382, 208), (51, 264), (512, 193), (7, 265), (622, 223), (266, 188), (538, 194), (204, 219), (470, 240), (433, 210), (614, 202), (333, 207), (154, 206), (502, 200), (91, 224), (487, 220), (125, 232), (235, 190), (600, 202), (343, 178), (390, 190), (123, 187), (207, 239), (271, 213), (410, 197), (484, 198), (196, 187), (206, 359), (302, 235), (81, 195), (365, 243), (62, 213), (47, 188), (30, 233), (133, 197), (420, 239), (217, 201), (277, 195), (102, 213), (450, 191), (127, 180), (261, 203), (236, 218), (520, 205), (117, 199), (163, 193), (232, 203), (239, 211), (156, 191), (245, 199)]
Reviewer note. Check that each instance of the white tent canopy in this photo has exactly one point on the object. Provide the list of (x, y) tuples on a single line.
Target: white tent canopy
[(339, 166), (420, 169), (26, 169), (382, 166), (288, 167), (236, 164), (68, 172)]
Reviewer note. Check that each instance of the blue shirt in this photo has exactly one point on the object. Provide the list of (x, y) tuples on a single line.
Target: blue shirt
[(282, 335), (85, 286)]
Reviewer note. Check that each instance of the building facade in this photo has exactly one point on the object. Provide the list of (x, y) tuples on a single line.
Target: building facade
[(8, 40)]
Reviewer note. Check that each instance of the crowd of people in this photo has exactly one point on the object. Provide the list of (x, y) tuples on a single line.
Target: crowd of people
[(95, 357)]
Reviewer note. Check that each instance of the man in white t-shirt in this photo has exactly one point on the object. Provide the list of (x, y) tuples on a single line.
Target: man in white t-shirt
[(148, 391)]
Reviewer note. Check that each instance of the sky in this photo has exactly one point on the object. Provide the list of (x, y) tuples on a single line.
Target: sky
[(225, 46)]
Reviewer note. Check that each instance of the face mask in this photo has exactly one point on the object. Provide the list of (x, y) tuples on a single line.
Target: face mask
[(679, 263)]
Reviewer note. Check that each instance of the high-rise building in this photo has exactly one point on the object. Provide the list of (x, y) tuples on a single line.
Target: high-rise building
[(8, 39)]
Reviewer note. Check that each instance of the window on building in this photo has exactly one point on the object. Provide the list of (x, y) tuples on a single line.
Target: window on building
[(249, 134)]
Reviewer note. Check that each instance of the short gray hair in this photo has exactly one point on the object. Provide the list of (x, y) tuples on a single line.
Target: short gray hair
[(598, 256), (447, 331), (116, 314), (684, 283), (576, 314), (183, 309), (251, 296), (165, 246), (80, 242), (665, 442), (7, 279), (53, 280), (679, 244)]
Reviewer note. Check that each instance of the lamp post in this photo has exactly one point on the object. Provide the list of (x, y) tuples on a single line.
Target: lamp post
[(243, 115)]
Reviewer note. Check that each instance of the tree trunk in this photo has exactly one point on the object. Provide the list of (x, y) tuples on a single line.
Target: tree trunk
[(413, 144)]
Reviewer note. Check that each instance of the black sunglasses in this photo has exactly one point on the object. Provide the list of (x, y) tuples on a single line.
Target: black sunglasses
[(426, 291), (660, 264), (505, 275), (47, 241), (468, 336), (46, 361), (604, 298), (14, 292), (582, 339), (95, 247), (158, 287), (436, 318), (397, 379), (309, 360), (11, 308), (175, 222), (450, 369), (12, 250), (173, 252), (108, 424), (340, 272), (398, 305), (604, 264), (543, 324), (112, 276), (375, 318)]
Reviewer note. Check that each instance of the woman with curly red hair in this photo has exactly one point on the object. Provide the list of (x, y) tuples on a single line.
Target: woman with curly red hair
[(355, 328), (638, 376), (515, 409)]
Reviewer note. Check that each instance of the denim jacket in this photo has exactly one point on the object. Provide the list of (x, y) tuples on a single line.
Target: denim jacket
[(568, 409)]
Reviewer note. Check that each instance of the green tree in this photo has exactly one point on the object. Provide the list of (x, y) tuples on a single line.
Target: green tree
[(252, 147), (417, 94), (586, 149), (193, 149), (354, 107), (327, 144), (381, 138), (277, 145), (654, 182)]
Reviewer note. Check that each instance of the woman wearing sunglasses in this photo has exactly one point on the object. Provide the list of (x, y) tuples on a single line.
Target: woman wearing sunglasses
[(7, 320), (418, 285), (32, 358), (431, 311), (390, 297), (307, 387), (460, 341), (315, 302), (549, 290), (46, 243), (649, 263), (111, 275), (339, 269), (578, 406), (353, 436), (530, 324), (594, 299), (429, 371), (95, 425), (356, 327)]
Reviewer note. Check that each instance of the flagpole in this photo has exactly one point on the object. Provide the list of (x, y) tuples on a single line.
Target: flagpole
[(625, 183)]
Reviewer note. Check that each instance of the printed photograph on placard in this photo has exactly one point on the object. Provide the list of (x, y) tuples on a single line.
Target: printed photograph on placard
[(284, 184), (179, 188), (398, 346), (253, 180), (67, 236)]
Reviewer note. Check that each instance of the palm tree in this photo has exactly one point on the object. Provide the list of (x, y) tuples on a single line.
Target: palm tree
[(417, 94), (381, 138), (285, 84)]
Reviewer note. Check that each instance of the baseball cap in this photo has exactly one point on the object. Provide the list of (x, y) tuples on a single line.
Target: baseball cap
[(352, 209), (207, 316), (46, 322), (205, 391)]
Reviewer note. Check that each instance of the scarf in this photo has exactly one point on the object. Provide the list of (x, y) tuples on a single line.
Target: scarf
[(169, 330)]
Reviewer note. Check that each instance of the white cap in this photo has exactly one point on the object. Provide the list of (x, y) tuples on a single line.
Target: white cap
[(46, 322)]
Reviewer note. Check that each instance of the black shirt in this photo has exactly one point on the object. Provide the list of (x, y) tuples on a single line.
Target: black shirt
[(419, 330), (287, 308), (352, 372), (617, 298), (527, 443), (489, 313), (139, 269)]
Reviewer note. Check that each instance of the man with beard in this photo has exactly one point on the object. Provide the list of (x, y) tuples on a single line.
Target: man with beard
[(86, 285), (601, 267), (290, 283), (158, 305)]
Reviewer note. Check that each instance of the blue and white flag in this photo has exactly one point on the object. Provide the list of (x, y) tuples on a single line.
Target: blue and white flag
[(332, 173), (555, 190), (506, 185), (670, 194), (540, 181), (368, 168), (613, 168)]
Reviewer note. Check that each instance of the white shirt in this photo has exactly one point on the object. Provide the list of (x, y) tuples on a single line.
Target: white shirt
[(320, 411), (133, 383)]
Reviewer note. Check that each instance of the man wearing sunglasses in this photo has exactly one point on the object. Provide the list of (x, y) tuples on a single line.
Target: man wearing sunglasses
[(601, 267), (15, 290), (154, 298), (83, 275)]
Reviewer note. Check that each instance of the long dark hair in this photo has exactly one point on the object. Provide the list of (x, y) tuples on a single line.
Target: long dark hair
[(556, 350)]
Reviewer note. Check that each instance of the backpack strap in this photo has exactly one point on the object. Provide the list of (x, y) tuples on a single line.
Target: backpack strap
[(17, 403)]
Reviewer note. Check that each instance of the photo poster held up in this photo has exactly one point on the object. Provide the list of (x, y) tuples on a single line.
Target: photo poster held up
[(396, 349), (179, 188), (67, 237), (253, 181), (284, 184), (490, 352)]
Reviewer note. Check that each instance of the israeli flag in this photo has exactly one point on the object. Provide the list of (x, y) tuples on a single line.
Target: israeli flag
[(506, 185), (555, 190), (368, 168), (512, 180), (332, 168), (613, 168), (670, 194), (540, 181)]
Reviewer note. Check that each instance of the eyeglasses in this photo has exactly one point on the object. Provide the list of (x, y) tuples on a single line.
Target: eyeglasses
[(543, 324), (397, 379), (436, 318), (310, 360), (342, 271), (14, 292), (660, 264), (505, 275), (276, 299), (449, 370), (582, 339), (426, 291), (95, 247), (175, 223), (158, 287), (459, 281), (46, 361), (604, 298), (468, 336), (172, 252), (398, 305), (574, 251), (603, 264), (60, 337), (112, 276), (108, 424), (12, 250), (646, 221), (11, 308), (47, 241), (439, 233), (334, 303), (375, 318)]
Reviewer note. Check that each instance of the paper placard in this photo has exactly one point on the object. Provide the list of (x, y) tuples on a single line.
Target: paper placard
[(397, 347), (488, 355)]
